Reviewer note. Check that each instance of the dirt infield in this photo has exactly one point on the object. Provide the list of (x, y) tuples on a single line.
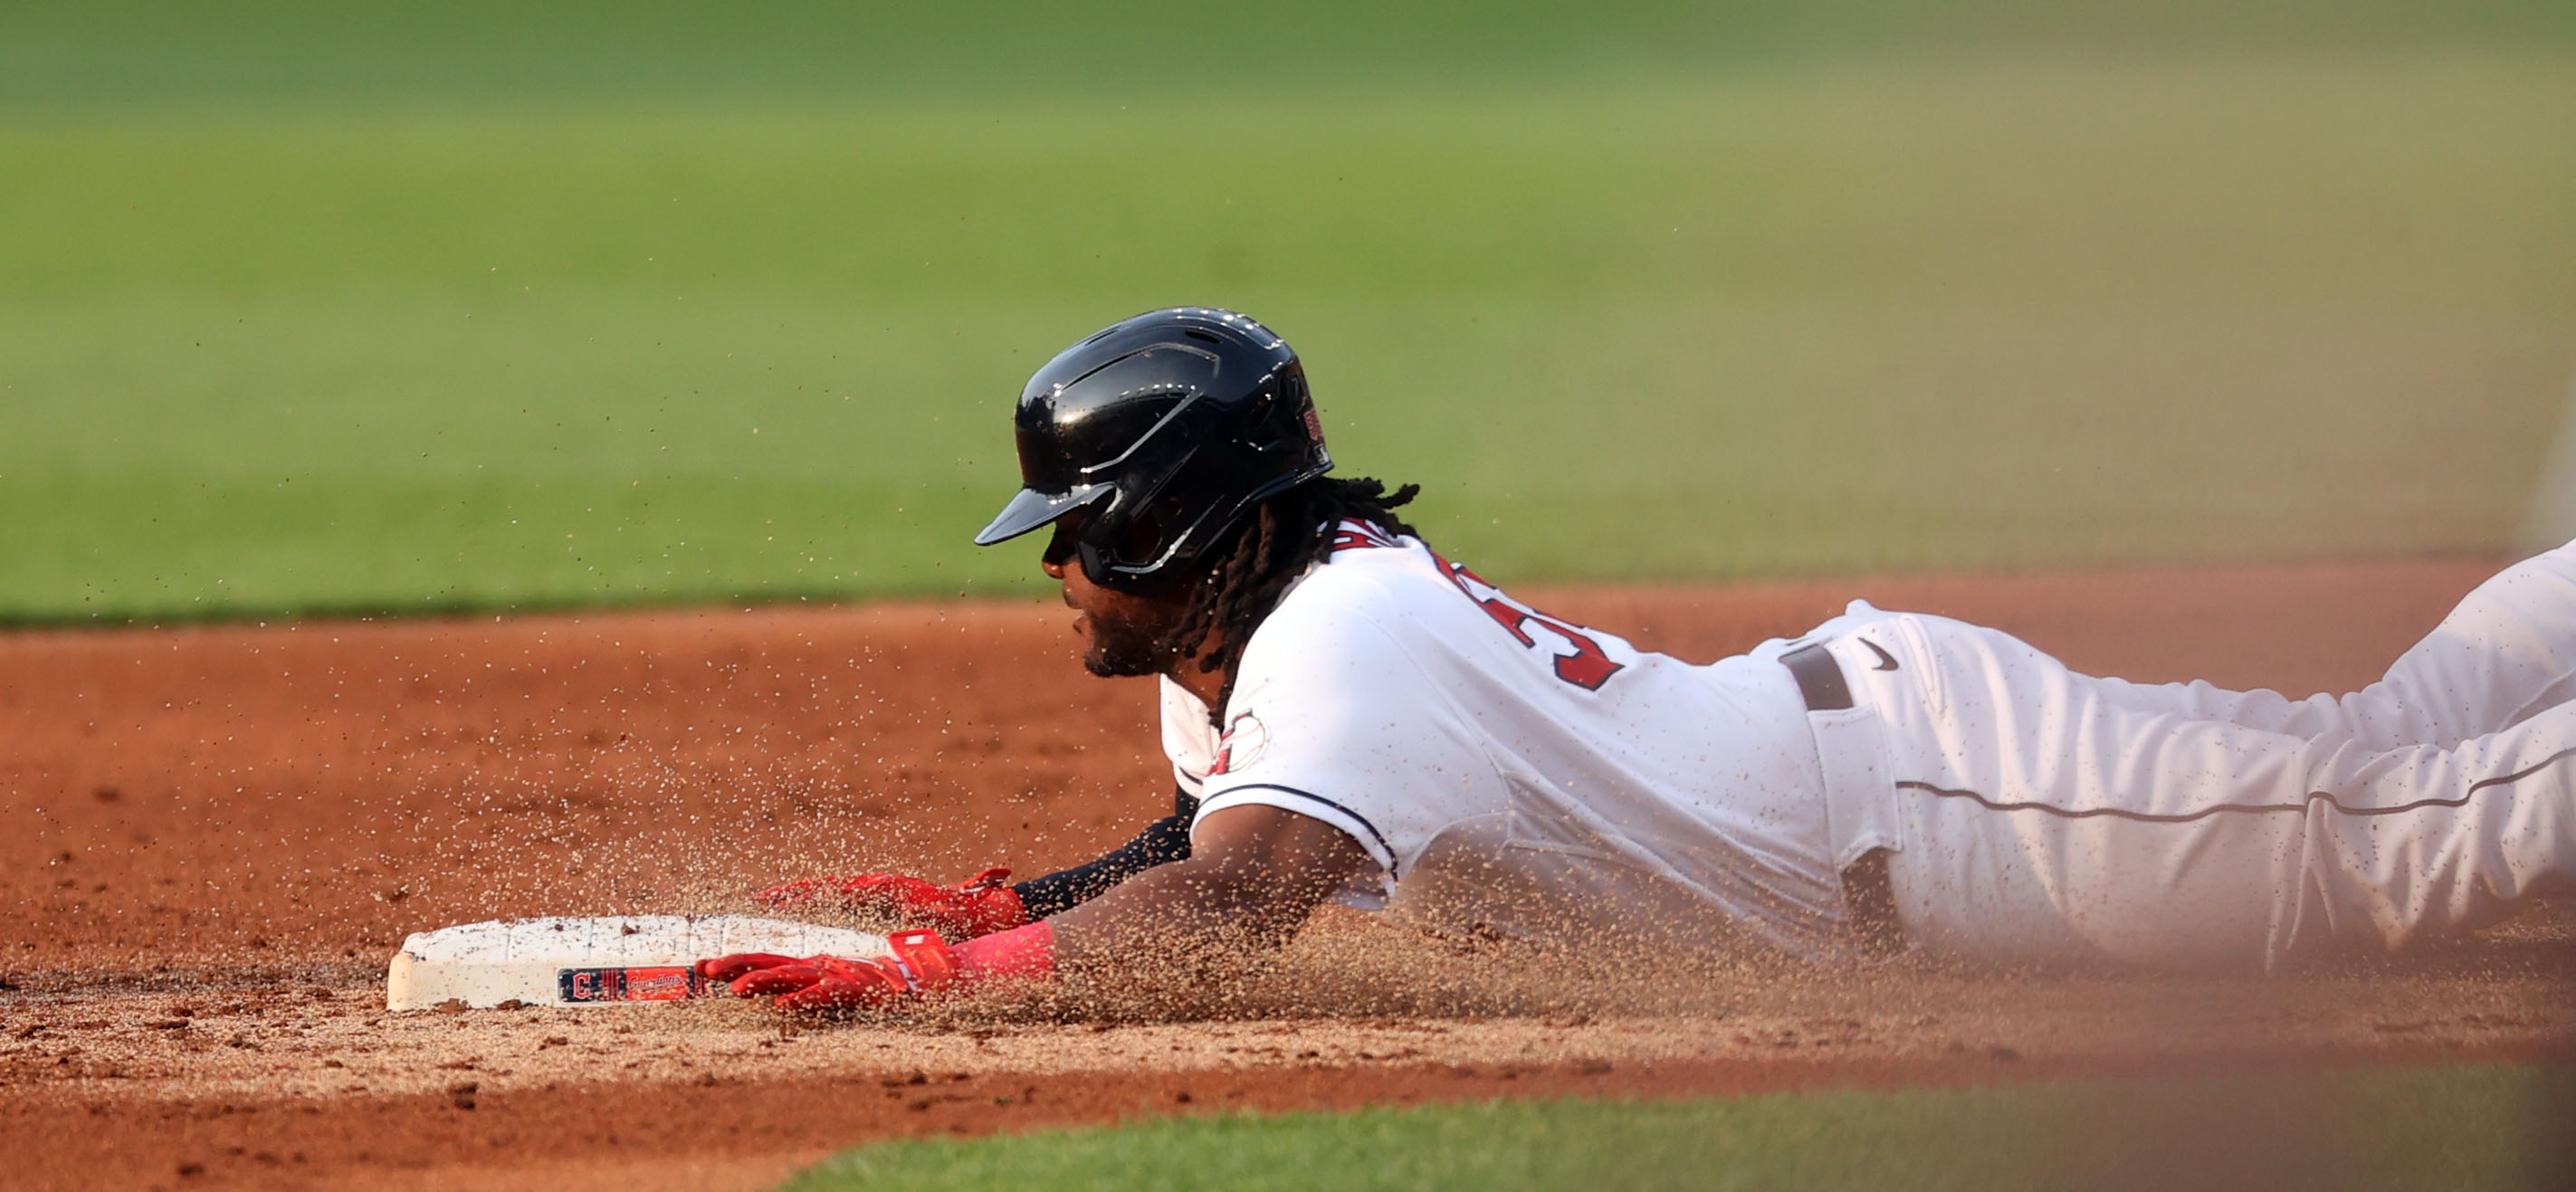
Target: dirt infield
[(218, 834)]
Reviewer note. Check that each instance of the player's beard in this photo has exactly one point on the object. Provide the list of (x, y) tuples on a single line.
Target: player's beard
[(1124, 646)]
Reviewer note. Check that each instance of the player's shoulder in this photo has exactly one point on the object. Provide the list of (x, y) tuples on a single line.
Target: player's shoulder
[(1347, 631), (1369, 572), (1370, 581)]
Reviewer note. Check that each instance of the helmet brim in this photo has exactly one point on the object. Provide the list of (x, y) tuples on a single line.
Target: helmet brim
[(1033, 509)]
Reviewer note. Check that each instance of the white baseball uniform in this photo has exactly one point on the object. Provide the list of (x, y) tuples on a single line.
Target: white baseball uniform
[(1512, 772)]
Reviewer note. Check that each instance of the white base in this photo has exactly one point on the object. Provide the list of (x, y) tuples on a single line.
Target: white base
[(585, 962)]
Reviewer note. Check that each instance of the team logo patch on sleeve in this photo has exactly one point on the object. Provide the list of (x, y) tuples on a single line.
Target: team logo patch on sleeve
[(1243, 742)]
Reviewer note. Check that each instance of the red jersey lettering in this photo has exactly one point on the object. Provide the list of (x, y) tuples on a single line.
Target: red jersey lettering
[(1354, 534), (1588, 667)]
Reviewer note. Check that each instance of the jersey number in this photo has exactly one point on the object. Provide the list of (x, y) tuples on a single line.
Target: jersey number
[(1588, 667)]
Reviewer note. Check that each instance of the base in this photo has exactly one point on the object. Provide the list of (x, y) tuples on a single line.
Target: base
[(586, 962)]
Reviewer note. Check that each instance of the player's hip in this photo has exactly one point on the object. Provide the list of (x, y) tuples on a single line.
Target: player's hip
[(2021, 813)]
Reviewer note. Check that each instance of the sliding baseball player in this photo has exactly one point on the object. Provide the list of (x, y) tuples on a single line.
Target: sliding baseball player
[(1352, 716)]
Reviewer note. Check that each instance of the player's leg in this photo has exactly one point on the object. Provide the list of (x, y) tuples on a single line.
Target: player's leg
[(2043, 819), (2504, 655), (2426, 841), (2507, 651)]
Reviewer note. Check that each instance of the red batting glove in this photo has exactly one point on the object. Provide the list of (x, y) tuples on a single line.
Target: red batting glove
[(919, 961), (980, 905)]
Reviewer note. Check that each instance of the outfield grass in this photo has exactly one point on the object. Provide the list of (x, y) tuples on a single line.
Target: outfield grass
[(2490, 1127), (303, 315)]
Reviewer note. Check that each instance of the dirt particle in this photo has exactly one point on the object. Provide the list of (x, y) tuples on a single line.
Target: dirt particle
[(191, 1170), (2005, 1054)]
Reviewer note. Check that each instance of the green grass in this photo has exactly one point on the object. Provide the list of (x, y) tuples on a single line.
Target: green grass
[(2490, 1127), (115, 52), (359, 314)]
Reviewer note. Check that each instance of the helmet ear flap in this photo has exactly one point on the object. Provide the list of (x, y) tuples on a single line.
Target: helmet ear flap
[(1282, 413), (1129, 558)]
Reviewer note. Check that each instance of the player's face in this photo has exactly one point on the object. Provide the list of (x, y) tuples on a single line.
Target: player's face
[(1126, 631)]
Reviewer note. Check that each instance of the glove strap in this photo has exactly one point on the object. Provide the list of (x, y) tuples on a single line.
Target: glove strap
[(925, 960)]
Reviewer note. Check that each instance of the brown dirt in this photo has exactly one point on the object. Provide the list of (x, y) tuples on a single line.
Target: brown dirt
[(217, 834)]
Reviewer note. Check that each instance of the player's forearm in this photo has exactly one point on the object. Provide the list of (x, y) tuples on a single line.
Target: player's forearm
[(1166, 841), (1256, 875), (1180, 913)]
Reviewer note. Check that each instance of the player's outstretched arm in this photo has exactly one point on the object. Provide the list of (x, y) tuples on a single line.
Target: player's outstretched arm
[(982, 904), (1253, 875)]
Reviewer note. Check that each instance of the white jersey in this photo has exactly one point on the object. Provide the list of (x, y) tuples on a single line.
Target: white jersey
[(1510, 772)]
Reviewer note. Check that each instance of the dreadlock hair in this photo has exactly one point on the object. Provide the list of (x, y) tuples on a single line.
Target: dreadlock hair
[(1274, 546)]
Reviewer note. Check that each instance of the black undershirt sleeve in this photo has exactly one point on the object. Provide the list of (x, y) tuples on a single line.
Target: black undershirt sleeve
[(1168, 840)]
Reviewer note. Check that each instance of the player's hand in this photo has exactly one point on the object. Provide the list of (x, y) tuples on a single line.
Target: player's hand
[(980, 905), (918, 962)]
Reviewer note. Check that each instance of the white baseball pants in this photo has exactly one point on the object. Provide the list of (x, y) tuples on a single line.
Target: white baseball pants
[(2036, 814)]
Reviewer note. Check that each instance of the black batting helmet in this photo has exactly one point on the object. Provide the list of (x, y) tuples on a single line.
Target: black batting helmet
[(1166, 427)]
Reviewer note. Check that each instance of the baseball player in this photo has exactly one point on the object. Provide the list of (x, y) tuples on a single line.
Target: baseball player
[(1350, 715)]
